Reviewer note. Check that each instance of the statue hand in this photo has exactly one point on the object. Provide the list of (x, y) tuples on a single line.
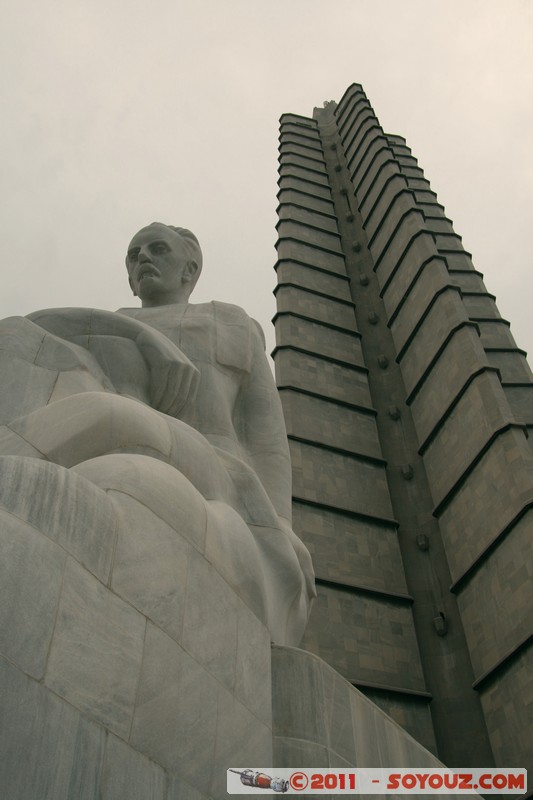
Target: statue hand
[(163, 375), (173, 378)]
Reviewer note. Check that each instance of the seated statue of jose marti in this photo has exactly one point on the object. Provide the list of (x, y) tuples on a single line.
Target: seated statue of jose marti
[(186, 384)]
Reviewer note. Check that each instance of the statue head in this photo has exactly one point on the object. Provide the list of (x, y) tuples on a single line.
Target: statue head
[(164, 263)]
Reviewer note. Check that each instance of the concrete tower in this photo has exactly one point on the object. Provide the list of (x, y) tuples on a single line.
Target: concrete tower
[(407, 405)]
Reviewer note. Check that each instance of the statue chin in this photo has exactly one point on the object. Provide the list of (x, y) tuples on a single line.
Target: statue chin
[(94, 457)]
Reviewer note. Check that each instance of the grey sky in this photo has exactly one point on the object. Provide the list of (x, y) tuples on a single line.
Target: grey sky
[(120, 112)]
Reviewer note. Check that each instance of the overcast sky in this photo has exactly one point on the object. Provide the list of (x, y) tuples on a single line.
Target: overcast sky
[(120, 112)]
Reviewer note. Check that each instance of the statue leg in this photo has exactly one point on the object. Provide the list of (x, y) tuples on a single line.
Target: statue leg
[(91, 424)]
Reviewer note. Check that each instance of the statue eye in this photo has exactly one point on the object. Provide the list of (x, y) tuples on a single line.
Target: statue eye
[(133, 255), (159, 247)]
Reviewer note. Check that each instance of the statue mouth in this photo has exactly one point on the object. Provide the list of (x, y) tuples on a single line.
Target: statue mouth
[(147, 272)]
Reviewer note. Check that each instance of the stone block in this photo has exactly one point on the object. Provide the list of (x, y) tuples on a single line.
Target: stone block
[(495, 604), (481, 411), (396, 184), (306, 200), (468, 281), (446, 314), (363, 144), (295, 123), (31, 571), (291, 752), (476, 515), (232, 548), (353, 102), (480, 306), (353, 731), (340, 481), (336, 286), (303, 232), (412, 713), (301, 371), (240, 739), (350, 551), (298, 251), (402, 204), (293, 171), (305, 187), (508, 708), (289, 157), (329, 424), (210, 621), (128, 775), (49, 750), (462, 357), (25, 386), (520, 399), (302, 136), (432, 279), (448, 242), (319, 339), (411, 225), (63, 505), (458, 260), (300, 146), (295, 679), (253, 686), (324, 221), (368, 639), (419, 255), (316, 307), (176, 710), (151, 565), (370, 183), (496, 333), (96, 650), (179, 789), (513, 365), (387, 169), (352, 107)]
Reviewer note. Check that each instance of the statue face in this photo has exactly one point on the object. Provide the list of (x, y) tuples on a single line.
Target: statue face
[(159, 267)]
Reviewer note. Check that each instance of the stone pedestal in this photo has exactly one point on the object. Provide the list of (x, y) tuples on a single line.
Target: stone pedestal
[(131, 670)]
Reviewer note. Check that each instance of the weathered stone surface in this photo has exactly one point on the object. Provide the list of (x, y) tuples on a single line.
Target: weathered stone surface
[(31, 571), (96, 651), (155, 485), (210, 622), (128, 775), (338, 725), (240, 739), (49, 750), (366, 638), (151, 565), (176, 712), (67, 508)]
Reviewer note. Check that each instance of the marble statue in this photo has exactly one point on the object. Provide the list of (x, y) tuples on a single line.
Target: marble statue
[(148, 561), (111, 393)]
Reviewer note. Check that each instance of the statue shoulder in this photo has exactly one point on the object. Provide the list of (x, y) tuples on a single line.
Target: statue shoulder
[(238, 336), (235, 315), (224, 312)]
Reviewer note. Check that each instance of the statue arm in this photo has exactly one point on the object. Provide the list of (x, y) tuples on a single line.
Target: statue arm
[(262, 428), (172, 378)]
